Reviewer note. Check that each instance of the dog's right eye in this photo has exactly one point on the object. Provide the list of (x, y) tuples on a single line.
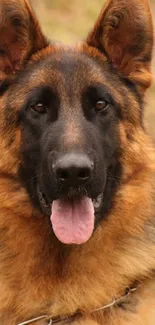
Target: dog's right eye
[(39, 108), (101, 105)]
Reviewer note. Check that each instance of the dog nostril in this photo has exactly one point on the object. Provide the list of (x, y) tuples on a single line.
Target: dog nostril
[(73, 169), (62, 175), (84, 174)]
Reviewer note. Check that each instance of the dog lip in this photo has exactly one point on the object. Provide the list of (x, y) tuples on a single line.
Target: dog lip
[(97, 202), (46, 205)]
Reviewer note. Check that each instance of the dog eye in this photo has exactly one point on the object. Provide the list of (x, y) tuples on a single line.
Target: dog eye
[(39, 108), (101, 105)]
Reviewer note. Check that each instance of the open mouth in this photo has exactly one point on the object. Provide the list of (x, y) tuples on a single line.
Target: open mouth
[(72, 219)]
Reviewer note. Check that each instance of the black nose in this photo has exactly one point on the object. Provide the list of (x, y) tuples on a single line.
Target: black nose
[(73, 169)]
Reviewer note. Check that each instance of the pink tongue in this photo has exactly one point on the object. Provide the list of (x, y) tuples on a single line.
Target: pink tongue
[(73, 220)]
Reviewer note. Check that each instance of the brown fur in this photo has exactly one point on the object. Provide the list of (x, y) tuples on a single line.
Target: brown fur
[(37, 275)]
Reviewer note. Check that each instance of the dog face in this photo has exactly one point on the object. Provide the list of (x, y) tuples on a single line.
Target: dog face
[(69, 130), (72, 112)]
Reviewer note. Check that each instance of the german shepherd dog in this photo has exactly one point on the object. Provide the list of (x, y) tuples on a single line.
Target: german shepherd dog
[(77, 222)]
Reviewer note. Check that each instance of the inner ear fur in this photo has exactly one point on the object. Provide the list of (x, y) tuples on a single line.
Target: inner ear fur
[(124, 33), (20, 35)]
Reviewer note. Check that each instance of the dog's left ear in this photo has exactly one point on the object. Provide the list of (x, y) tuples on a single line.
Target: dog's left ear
[(124, 33), (20, 36)]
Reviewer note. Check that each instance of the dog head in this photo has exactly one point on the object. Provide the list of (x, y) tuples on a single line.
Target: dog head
[(69, 114)]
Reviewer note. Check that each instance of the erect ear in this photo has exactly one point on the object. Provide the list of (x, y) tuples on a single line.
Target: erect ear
[(20, 35), (124, 33)]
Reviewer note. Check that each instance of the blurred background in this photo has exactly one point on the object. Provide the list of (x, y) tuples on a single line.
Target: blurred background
[(69, 21)]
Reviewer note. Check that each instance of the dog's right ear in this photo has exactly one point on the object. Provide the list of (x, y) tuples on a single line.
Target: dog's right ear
[(20, 36)]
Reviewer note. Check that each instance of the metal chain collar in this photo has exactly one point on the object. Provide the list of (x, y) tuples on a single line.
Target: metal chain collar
[(50, 320)]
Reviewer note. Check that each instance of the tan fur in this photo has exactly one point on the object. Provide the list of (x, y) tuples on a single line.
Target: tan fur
[(37, 274)]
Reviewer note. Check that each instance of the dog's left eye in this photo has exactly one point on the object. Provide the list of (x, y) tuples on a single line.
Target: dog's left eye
[(101, 105), (39, 108)]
